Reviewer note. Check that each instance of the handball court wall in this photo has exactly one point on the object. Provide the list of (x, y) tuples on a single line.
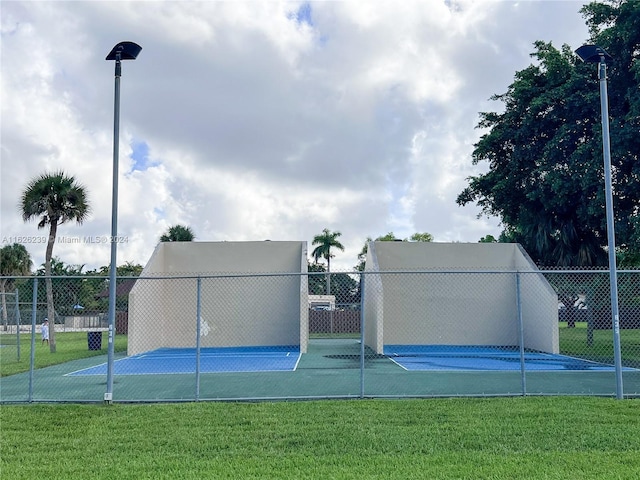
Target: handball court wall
[(455, 303), (236, 310)]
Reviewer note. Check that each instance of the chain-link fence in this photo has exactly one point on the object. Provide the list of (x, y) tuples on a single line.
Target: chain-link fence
[(299, 336)]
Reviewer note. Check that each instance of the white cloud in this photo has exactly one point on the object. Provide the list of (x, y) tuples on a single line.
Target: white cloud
[(357, 117)]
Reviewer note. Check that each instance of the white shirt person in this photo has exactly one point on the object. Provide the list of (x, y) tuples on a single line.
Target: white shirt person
[(45, 331)]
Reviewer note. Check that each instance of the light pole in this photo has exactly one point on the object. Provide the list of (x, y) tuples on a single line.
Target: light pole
[(595, 54), (122, 51)]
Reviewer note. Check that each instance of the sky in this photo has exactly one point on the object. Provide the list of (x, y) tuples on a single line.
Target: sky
[(260, 120)]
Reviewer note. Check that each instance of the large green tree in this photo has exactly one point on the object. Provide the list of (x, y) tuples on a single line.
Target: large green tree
[(53, 198), (316, 284), (346, 289), (14, 261), (544, 151), (326, 241)]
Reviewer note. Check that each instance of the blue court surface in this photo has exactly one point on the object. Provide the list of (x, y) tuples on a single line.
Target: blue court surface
[(484, 358), (212, 360)]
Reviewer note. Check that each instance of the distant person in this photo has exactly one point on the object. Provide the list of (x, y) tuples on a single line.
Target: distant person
[(45, 331)]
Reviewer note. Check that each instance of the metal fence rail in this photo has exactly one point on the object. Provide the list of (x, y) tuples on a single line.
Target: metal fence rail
[(260, 337)]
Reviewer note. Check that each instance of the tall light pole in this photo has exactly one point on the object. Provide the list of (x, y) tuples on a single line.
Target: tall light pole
[(595, 54), (122, 51)]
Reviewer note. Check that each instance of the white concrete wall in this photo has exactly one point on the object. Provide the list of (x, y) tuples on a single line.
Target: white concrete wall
[(238, 305), (463, 300), (539, 306), (373, 302)]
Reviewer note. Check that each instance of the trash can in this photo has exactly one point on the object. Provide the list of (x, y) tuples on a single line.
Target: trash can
[(94, 339)]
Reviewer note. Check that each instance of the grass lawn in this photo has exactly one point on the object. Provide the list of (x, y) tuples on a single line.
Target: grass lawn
[(465, 438), (510, 438), (69, 346)]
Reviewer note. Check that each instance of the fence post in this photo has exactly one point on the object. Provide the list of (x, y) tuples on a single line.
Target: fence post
[(362, 320), (34, 313), (523, 376), (198, 326)]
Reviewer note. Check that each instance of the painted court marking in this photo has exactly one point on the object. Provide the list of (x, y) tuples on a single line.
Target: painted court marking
[(485, 358), (212, 360)]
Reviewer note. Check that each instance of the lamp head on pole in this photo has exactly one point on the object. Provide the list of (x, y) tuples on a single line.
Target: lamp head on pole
[(124, 50), (592, 54)]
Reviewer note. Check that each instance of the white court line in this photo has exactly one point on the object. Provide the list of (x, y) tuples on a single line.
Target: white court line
[(212, 355), (400, 365), (94, 366), (295, 367)]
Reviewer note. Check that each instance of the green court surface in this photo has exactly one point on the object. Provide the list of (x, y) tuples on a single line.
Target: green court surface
[(330, 369)]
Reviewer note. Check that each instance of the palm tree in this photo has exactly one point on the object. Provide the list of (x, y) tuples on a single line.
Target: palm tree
[(55, 198), (325, 242), (14, 261), (178, 233)]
